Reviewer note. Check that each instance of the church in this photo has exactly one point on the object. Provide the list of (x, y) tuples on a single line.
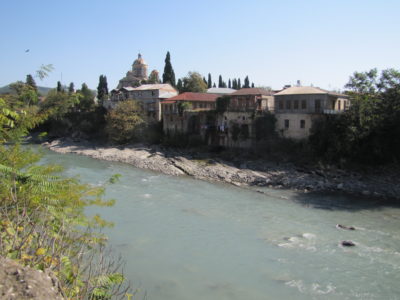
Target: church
[(137, 75)]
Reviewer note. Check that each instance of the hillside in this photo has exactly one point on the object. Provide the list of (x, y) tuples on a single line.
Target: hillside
[(41, 89)]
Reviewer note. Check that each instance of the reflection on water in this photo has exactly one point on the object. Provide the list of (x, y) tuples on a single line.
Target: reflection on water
[(188, 239)]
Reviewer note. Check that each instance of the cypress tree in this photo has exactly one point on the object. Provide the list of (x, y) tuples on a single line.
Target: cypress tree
[(220, 82), (214, 86), (234, 84), (179, 86), (31, 82), (169, 74), (252, 85), (71, 88), (205, 81), (239, 85), (102, 88), (59, 87), (229, 83), (209, 82), (246, 84)]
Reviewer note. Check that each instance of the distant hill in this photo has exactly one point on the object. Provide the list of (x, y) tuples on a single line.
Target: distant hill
[(41, 89)]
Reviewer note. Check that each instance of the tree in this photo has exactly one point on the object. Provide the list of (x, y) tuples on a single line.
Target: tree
[(59, 87), (86, 98), (71, 88), (222, 104), (239, 85), (153, 78), (209, 82), (369, 131), (169, 74), (234, 84), (246, 83), (214, 85), (229, 83), (124, 123), (220, 82), (102, 88), (179, 86), (252, 85), (204, 79), (193, 82), (31, 82)]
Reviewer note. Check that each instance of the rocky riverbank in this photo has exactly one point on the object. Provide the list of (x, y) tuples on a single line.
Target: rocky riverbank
[(238, 172)]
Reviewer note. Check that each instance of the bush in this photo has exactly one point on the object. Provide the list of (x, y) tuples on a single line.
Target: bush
[(125, 123)]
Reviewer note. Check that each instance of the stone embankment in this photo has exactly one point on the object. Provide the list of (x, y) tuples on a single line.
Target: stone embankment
[(240, 173)]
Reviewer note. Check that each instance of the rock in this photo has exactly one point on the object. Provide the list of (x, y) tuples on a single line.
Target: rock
[(20, 283), (340, 186), (340, 226), (366, 193), (347, 243)]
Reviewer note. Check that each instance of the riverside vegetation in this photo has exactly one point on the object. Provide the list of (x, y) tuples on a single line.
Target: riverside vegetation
[(362, 142), (43, 225)]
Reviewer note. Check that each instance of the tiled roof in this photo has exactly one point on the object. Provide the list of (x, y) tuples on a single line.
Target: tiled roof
[(306, 90), (195, 97), (252, 91)]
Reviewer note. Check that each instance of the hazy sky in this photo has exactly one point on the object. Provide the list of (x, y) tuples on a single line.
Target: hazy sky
[(273, 42)]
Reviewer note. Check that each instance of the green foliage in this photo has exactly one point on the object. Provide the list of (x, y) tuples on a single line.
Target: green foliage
[(369, 132), (179, 86), (102, 88), (209, 81), (222, 104), (31, 82), (183, 106), (71, 88), (125, 122), (44, 70), (60, 88), (264, 126), (234, 84), (221, 83), (194, 83), (169, 74), (86, 98), (42, 220), (246, 82)]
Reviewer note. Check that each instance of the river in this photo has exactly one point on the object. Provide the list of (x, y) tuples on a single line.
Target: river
[(188, 239)]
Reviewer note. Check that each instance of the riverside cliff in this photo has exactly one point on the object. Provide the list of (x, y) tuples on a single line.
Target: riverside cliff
[(238, 172)]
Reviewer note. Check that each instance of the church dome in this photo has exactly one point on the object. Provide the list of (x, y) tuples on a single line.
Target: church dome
[(139, 61)]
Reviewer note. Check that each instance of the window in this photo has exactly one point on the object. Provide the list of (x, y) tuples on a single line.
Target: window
[(303, 124), (286, 124), (288, 104), (280, 104), (338, 105), (296, 104), (303, 104), (243, 118)]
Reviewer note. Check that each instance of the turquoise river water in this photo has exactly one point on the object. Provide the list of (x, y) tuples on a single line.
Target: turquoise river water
[(188, 239)]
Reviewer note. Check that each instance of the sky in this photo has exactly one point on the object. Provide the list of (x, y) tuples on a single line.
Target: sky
[(320, 43)]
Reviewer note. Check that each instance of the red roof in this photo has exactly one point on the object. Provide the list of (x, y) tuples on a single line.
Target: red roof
[(194, 97)]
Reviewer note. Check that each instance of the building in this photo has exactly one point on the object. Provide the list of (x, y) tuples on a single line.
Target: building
[(235, 125), (135, 76), (296, 108), (148, 95), (189, 113)]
